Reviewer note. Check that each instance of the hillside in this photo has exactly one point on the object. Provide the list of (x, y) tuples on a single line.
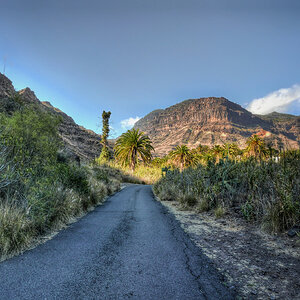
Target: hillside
[(211, 121), (82, 142)]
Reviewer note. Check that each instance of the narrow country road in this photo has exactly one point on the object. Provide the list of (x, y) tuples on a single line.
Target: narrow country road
[(128, 248)]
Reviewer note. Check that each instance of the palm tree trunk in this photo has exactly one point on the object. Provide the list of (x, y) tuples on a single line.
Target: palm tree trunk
[(133, 160)]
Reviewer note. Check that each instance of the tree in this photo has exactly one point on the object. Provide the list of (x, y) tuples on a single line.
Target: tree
[(218, 152), (255, 146), (231, 150), (182, 156), (202, 149), (104, 156), (132, 145), (202, 153)]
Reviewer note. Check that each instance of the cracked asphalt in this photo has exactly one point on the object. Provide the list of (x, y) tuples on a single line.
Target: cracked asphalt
[(128, 248)]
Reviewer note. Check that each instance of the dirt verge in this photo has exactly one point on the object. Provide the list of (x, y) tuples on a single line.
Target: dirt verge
[(257, 265)]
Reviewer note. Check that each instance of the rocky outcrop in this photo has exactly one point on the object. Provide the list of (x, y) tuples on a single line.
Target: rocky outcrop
[(28, 96), (211, 121), (78, 140), (6, 87), (83, 142)]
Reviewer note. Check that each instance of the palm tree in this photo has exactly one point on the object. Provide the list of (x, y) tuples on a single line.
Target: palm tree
[(255, 146), (231, 150), (131, 145), (218, 152), (182, 156), (202, 149)]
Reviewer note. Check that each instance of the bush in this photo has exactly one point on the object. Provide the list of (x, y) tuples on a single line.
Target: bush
[(219, 211), (32, 139), (264, 192), (203, 205), (75, 177), (38, 191)]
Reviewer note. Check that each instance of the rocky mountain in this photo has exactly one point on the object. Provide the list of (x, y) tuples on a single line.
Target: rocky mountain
[(78, 140), (211, 121)]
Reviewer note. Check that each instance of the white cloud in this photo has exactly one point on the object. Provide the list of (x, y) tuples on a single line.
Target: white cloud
[(276, 101), (128, 123)]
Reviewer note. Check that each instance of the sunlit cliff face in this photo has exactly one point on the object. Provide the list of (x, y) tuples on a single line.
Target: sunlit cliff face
[(211, 121)]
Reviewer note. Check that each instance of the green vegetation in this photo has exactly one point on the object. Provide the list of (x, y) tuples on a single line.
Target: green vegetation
[(262, 191), (256, 147), (143, 173), (132, 145), (182, 155), (39, 192), (105, 155)]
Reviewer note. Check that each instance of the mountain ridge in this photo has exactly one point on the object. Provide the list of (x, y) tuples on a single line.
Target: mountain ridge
[(215, 120), (80, 141), (208, 121)]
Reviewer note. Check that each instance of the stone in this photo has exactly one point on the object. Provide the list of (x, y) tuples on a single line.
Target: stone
[(28, 96), (293, 231)]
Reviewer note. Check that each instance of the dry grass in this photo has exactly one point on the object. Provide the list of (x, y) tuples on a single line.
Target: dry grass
[(21, 226), (16, 229), (142, 173)]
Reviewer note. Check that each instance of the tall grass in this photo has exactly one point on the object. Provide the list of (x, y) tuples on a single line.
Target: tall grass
[(39, 193), (47, 206), (265, 192), (145, 174)]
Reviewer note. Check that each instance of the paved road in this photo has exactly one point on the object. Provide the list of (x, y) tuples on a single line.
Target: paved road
[(128, 248)]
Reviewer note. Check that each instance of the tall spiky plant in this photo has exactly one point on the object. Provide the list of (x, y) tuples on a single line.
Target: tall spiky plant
[(132, 145), (104, 156)]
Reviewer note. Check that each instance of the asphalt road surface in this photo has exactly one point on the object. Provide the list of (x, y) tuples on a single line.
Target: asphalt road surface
[(128, 248)]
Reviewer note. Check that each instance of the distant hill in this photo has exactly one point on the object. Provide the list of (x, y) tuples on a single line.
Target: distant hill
[(277, 117), (211, 121), (83, 142)]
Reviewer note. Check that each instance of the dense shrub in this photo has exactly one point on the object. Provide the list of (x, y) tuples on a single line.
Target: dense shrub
[(32, 139), (266, 192), (38, 192)]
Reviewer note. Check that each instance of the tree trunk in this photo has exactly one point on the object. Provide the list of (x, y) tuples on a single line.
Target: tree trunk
[(133, 158)]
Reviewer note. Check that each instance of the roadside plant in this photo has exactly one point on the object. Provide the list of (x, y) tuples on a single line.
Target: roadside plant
[(131, 146), (182, 156), (105, 155), (264, 192)]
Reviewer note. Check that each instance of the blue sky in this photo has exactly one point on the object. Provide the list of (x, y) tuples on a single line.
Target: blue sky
[(131, 57)]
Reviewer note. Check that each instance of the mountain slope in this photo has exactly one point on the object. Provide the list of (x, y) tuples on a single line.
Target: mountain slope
[(82, 142), (211, 121)]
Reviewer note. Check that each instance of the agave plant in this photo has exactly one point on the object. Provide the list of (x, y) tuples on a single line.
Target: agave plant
[(132, 145)]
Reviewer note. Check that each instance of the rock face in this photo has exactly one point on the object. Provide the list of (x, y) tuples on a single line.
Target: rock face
[(80, 141), (211, 121), (28, 96), (6, 87)]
